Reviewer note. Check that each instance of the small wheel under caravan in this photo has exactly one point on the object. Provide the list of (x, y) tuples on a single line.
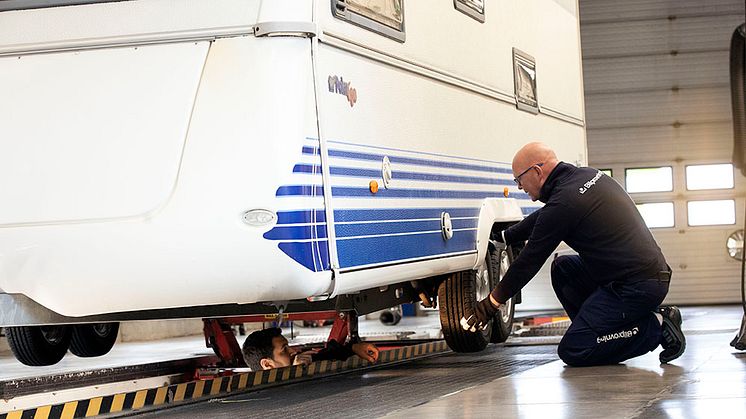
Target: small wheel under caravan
[(38, 346), (90, 340), (460, 292)]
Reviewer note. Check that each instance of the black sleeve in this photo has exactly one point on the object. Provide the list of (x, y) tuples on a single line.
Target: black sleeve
[(521, 231), (550, 226), (334, 351)]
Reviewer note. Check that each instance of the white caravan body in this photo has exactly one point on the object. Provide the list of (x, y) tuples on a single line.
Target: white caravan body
[(159, 154)]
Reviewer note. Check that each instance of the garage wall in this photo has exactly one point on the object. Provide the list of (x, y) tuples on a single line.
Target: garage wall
[(657, 94)]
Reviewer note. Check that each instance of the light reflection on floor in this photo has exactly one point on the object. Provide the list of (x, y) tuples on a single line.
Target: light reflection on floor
[(708, 381)]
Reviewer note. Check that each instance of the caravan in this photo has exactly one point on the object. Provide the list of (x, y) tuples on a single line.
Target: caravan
[(166, 159)]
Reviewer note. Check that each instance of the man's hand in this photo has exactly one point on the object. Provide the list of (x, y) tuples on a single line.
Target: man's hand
[(366, 351), (303, 359), (483, 313)]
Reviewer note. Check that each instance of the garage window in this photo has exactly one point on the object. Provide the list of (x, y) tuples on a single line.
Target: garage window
[(382, 16), (707, 213), (473, 8), (657, 214), (709, 176), (649, 179), (607, 172)]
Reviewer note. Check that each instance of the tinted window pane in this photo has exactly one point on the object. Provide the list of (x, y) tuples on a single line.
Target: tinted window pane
[(473, 8), (387, 12)]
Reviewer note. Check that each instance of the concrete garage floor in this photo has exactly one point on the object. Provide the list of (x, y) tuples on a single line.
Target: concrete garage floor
[(708, 381)]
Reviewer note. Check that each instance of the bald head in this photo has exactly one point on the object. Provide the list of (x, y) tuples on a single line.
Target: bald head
[(532, 164), (533, 153)]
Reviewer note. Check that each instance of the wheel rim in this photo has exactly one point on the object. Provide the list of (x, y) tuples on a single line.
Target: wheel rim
[(483, 288), (53, 334), (102, 329), (507, 308)]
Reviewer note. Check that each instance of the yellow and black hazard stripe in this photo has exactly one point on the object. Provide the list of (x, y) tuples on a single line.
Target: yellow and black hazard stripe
[(177, 393)]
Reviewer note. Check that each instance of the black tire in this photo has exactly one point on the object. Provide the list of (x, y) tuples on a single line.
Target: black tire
[(89, 340), (456, 299), (458, 295), (38, 346)]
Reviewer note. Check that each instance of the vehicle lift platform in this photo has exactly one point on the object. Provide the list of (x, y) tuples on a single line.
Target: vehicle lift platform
[(125, 390)]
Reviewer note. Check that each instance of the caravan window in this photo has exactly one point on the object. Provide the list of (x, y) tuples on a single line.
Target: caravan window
[(524, 76), (473, 8), (383, 16)]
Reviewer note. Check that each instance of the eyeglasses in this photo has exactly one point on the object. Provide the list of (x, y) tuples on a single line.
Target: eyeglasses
[(517, 179)]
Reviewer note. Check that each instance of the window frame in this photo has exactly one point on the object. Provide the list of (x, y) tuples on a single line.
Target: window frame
[(340, 11), (732, 173), (610, 174), (626, 177), (524, 104), (735, 215), (464, 6)]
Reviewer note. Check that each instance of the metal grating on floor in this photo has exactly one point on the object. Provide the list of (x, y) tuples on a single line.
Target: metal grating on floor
[(373, 393)]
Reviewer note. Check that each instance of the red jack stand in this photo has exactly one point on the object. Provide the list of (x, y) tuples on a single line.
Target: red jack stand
[(345, 326), (219, 336)]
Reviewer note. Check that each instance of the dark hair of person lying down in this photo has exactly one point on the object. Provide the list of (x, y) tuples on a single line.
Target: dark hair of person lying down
[(258, 345)]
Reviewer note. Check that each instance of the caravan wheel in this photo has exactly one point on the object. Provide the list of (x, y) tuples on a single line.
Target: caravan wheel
[(38, 345), (503, 323), (89, 340), (458, 295)]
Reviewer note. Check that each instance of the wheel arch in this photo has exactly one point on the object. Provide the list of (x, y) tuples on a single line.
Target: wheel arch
[(494, 211)]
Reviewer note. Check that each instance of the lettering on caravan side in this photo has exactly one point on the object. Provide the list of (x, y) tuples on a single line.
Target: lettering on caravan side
[(339, 86)]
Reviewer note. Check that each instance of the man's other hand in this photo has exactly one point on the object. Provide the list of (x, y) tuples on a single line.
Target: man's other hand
[(483, 313), (366, 351), (303, 359)]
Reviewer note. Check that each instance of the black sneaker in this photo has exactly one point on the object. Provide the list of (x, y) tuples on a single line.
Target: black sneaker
[(673, 341)]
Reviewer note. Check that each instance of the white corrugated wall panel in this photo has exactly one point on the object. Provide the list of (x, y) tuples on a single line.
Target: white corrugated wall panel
[(707, 141), (657, 107), (642, 73), (657, 93), (637, 38), (594, 11)]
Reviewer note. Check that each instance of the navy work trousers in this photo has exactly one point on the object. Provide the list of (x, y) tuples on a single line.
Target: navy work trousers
[(610, 323)]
